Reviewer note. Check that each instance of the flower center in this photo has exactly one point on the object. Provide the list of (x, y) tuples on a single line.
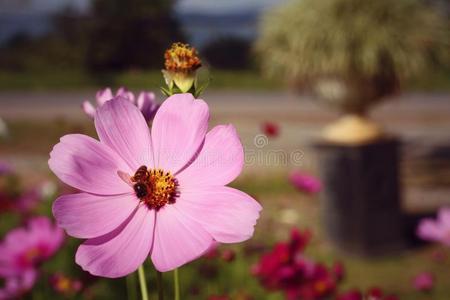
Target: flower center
[(155, 187), (182, 58), (30, 256)]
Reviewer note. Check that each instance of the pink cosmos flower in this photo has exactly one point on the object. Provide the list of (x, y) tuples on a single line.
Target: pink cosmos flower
[(160, 194), (305, 183), (17, 286), (436, 230), (24, 248), (145, 101), (423, 282)]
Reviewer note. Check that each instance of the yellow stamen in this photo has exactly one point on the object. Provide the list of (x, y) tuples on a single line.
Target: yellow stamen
[(155, 187), (182, 58)]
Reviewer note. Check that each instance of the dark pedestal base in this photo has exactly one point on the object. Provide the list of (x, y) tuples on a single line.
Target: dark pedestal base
[(361, 207)]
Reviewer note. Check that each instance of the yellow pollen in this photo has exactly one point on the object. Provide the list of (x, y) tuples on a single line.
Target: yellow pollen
[(182, 58), (63, 284), (155, 187)]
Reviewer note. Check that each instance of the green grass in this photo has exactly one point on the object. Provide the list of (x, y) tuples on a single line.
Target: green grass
[(152, 79), (76, 79)]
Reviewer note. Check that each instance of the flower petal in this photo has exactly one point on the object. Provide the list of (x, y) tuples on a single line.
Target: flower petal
[(125, 93), (103, 95), (122, 251), (84, 163), (178, 130), (219, 161), (87, 216), (178, 239), (121, 126), (443, 216), (429, 229), (229, 215), (88, 108), (147, 105)]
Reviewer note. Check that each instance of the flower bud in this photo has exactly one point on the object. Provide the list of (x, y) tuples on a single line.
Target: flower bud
[(180, 73)]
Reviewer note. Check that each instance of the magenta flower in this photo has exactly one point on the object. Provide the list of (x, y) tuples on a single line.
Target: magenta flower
[(423, 282), (285, 268), (160, 194), (28, 200), (305, 183), (436, 230), (17, 286), (350, 295), (24, 248), (145, 101), (338, 271)]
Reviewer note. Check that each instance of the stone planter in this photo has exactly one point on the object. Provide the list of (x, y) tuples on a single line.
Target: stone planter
[(361, 209)]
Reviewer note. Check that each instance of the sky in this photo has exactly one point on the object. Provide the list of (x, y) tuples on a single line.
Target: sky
[(223, 6), (201, 6)]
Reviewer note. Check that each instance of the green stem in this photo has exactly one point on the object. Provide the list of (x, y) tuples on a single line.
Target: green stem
[(176, 284), (159, 283), (143, 283), (131, 286)]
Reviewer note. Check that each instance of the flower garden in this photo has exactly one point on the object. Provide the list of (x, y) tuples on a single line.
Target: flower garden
[(167, 194)]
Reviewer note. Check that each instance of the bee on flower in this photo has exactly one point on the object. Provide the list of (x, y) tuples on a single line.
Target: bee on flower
[(156, 193)]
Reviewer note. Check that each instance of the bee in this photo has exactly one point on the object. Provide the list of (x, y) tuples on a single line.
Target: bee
[(140, 189), (141, 178), (141, 174)]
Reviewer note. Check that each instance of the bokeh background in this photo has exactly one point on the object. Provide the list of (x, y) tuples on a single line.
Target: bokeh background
[(54, 54)]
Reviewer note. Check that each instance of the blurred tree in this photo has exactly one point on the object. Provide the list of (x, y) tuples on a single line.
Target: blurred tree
[(231, 53), (357, 51), (352, 53), (128, 34), (64, 46)]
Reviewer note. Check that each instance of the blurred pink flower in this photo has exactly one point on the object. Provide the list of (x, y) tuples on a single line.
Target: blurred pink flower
[(145, 101), (338, 270), (24, 248), (305, 183), (17, 286), (436, 230), (286, 268), (212, 252), (28, 200), (160, 194), (270, 129), (350, 295), (228, 255), (423, 282), (5, 168), (377, 293), (22, 203)]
